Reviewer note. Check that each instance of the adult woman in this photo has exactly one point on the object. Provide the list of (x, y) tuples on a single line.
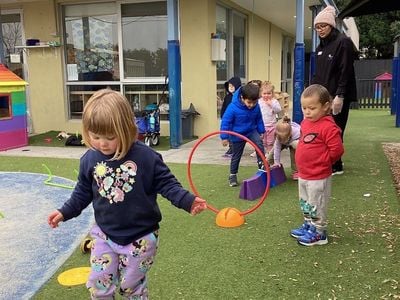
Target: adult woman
[(335, 70)]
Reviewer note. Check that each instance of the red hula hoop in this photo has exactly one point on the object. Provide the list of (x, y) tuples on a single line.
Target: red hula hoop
[(267, 170)]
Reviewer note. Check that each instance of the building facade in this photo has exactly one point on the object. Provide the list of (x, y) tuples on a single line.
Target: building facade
[(68, 49)]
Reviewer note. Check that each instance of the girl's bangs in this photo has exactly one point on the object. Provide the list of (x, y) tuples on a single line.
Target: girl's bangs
[(101, 123)]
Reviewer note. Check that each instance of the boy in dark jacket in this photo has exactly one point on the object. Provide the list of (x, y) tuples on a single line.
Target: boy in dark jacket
[(243, 116), (231, 86)]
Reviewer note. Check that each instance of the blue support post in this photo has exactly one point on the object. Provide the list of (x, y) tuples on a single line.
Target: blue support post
[(174, 75), (315, 9), (397, 99), (395, 79), (174, 90), (299, 57)]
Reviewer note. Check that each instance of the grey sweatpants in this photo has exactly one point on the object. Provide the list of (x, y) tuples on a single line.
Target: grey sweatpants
[(314, 198)]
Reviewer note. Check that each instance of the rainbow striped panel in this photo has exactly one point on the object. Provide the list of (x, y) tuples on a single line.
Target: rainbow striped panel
[(8, 78), (13, 139), (15, 123)]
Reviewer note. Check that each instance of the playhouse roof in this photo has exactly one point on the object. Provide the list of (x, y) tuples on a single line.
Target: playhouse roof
[(8, 78), (384, 76)]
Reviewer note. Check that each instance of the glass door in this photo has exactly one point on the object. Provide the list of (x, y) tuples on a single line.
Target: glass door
[(14, 59), (13, 36)]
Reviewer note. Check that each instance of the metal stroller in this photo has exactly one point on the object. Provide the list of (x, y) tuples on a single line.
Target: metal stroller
[(149, 125), (148, 122)]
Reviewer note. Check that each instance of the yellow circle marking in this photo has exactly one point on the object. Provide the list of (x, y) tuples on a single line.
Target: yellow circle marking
[(74, 276)]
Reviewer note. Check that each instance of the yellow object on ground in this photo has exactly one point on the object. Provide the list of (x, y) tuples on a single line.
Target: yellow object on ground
[(74, 276)]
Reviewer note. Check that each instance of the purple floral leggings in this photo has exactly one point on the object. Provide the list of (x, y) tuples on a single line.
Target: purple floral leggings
[(123, 267)]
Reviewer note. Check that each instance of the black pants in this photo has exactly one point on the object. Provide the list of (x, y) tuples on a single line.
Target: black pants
[(341, 121), (238, 148)]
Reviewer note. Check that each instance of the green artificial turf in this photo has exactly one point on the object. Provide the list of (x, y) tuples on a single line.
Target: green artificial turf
[(49, 139), (259, 260)]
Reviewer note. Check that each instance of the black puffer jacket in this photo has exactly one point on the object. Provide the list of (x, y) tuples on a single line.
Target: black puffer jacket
[(237, 83), (335, 66)]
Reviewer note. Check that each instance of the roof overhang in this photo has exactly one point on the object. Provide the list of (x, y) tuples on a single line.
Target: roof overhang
[(366, 7), (282, 13)]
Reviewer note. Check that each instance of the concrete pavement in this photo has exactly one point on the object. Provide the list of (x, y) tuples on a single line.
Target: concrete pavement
[(209, 152)]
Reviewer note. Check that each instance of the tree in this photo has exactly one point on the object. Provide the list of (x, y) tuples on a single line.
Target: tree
[(377, 32), (12, 34)]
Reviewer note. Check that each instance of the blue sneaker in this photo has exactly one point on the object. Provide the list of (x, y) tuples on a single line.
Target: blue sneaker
[(302, 230), (313, 237)]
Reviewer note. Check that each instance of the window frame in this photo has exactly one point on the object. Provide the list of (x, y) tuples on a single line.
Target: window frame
[(119, 84), (230, 13), (9, 109)]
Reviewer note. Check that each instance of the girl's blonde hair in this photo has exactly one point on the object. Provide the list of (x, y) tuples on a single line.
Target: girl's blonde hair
[(283, 130), (267, 85), (109, 113)]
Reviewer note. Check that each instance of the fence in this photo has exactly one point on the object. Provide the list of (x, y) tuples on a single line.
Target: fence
[(373, 94)]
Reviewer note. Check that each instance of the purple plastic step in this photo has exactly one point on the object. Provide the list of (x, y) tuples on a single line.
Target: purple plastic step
[(254, 187)]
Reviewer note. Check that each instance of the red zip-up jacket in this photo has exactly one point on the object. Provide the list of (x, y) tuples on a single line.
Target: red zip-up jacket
[(319, 147)]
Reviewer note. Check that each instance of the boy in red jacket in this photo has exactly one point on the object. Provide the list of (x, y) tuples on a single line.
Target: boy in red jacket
[(319, 147)]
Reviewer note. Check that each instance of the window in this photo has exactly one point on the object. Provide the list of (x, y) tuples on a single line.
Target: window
[(142, 95), (222, 31), (239, 45), (231, 25), (5, 106), (80, 94), (128, 54), (144, 39), (12, 31), (91, 42), (286, 75)]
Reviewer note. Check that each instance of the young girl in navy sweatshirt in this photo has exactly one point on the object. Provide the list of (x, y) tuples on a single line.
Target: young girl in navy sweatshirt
[(121, 177)]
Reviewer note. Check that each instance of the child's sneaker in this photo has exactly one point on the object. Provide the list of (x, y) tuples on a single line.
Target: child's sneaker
[(300, 231), (233, 180), (227, 155), (337, 169), (261, 166), (313, 237)]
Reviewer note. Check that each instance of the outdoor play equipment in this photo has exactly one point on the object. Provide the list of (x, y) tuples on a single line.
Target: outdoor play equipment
[(49, 181), (253, 187), (229, 216), (13, 111), (74, 276)]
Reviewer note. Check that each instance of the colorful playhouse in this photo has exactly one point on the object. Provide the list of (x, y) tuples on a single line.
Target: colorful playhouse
[(13, 119)]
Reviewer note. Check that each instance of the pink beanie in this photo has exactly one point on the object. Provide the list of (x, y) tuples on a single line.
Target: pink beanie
[(327, 16)]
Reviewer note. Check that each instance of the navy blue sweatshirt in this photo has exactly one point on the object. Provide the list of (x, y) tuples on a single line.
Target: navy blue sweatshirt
[(124, 192)]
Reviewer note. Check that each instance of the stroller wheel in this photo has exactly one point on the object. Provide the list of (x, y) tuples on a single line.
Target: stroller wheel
[(147, 140), (155, 139)]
